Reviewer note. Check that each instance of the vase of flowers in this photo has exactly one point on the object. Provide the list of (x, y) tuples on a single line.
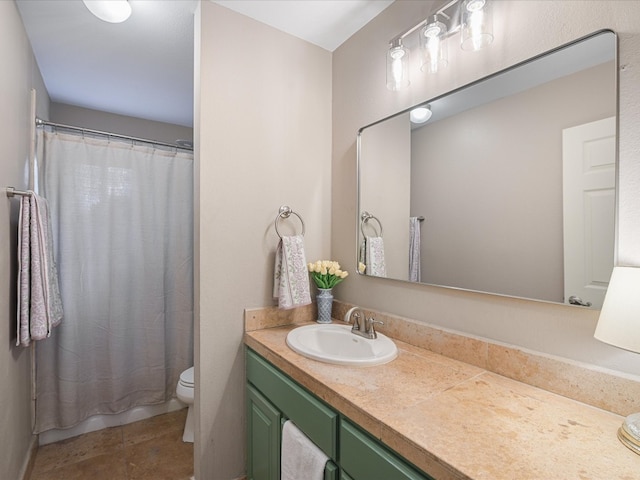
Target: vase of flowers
[(326, 274)]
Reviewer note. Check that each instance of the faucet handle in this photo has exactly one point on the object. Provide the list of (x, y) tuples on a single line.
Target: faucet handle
[(355, 312), (370, 322), (356, 321)]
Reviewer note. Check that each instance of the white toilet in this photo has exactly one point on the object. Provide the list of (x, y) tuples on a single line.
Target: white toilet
[(184, 391)]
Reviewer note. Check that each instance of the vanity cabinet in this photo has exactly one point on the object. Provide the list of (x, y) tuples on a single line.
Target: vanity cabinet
[(273, 397), (365, 458)]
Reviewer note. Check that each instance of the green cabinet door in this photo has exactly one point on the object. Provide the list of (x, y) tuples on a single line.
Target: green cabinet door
[(263, 437), (344, 476), (331, 471), (365, 458)]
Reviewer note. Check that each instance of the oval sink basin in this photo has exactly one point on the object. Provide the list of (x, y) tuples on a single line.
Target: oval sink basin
[(336, 344)]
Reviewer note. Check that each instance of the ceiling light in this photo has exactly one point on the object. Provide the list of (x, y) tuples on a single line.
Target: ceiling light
[(420, 114), (112, 11)]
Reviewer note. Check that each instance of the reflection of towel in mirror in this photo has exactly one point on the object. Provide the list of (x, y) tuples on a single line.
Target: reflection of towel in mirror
[(414, 249), (300, 457), (290, 276), (374, 256), (39, 302)]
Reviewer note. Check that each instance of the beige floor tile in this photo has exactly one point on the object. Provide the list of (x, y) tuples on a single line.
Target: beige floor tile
[(153, 427), (164, 457), (150, 449), (78, 449), (102, 467)]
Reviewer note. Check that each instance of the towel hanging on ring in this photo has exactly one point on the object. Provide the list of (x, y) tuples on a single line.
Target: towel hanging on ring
[(291, 277)]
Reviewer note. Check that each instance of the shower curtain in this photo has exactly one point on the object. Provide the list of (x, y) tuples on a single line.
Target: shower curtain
[(122, 220)]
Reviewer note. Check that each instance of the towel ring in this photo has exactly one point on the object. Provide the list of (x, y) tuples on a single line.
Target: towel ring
[(285, 212), (364, 218)]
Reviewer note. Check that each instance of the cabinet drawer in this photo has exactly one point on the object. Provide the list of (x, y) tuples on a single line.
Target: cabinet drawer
[(310, 415), (364, 458)]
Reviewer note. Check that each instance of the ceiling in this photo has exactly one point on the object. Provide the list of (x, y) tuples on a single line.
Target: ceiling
[(143, 67)]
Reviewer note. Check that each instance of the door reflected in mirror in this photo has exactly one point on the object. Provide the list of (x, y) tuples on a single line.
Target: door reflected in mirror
[(513, 177)]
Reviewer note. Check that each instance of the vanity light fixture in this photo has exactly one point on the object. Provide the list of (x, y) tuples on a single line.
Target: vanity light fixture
[(112, 11), (619, 325), (472, 18), (420, 114)]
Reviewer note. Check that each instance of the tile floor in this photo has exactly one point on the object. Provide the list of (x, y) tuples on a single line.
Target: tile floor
[(150, 449)]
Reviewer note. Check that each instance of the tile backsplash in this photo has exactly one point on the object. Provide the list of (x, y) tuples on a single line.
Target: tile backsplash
[(608, 390)]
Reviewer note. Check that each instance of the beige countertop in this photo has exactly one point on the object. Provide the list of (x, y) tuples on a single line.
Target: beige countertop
[(457, 421)]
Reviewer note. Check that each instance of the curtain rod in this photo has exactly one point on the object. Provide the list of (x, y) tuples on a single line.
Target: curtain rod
[(42, 123)]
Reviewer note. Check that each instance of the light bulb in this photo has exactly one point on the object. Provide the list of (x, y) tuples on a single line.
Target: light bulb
[(476, 24), (397, 66), (434, 50)]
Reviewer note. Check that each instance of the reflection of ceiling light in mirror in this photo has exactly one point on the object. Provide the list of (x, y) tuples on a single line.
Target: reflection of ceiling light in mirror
[(112, 11), (420, 114)]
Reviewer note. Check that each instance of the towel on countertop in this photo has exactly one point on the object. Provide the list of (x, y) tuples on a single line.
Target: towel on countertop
[(414, 250), (291, 277), (374, 257), (39, 302), (300, 458)]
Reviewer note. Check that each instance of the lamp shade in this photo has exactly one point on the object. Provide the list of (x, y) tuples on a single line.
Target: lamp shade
[(433, 46), (397, 65), (619, 322), (476, 24)]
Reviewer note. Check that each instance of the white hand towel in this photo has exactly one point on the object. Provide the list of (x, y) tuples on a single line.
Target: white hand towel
[(414, 250), (301, 459), (291, 277), (39, 302)]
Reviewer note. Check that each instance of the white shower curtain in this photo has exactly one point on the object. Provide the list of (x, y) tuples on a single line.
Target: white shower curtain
[(122, 218)]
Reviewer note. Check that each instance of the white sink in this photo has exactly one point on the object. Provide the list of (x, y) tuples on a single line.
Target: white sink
[(336, 344)]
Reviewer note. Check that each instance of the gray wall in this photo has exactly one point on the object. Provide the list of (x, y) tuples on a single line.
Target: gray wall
[(19, 75), (522, 29), (121, 124), (263, 139)]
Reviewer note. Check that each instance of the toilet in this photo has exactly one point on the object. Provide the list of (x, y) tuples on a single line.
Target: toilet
[(184, 391)]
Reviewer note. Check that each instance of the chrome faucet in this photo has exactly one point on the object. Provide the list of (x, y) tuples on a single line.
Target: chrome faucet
[(362, 326)]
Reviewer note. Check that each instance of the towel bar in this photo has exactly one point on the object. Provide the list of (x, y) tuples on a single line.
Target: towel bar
[(364, 218), (285, 212), (12, 192)]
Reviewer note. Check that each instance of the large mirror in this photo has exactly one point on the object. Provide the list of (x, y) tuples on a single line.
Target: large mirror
[(509, 186)]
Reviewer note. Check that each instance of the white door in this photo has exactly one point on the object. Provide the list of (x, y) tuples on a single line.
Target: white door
[(589, 178)]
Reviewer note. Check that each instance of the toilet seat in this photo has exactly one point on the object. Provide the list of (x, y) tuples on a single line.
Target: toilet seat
[(186, 378)]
